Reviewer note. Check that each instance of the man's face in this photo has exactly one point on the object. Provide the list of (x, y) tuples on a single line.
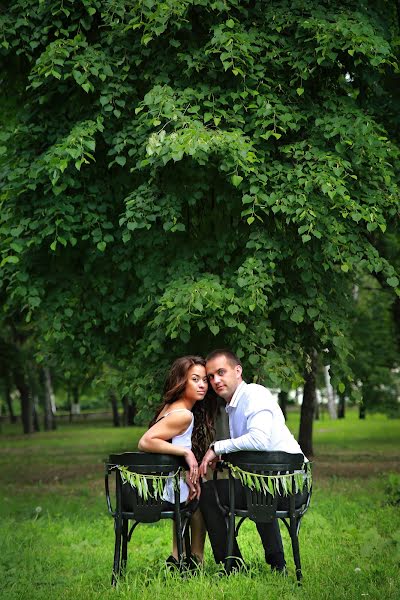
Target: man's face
[(223, 376)]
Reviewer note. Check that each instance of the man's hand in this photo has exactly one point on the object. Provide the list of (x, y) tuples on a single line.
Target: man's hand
[(209, 460)]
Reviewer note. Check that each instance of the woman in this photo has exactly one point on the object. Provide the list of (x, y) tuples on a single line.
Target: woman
[(184, 426)]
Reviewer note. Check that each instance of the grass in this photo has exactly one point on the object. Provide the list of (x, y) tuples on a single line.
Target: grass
[(56, 539)]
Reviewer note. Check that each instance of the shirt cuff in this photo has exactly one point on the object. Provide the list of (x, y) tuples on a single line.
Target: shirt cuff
[(218, 448)]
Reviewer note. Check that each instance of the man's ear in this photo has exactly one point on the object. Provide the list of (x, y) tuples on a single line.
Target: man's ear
[(238, 370)]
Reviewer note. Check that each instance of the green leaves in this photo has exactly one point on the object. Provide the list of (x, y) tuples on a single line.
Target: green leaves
[(230, 184), (298, 314), (237, 180), (148, 485), (121, 160), (393, 281), (11, 259), (281, 484), (214, 329)]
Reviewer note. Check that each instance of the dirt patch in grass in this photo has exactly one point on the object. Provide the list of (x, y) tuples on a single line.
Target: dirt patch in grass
[(354, 466), (49, 474)]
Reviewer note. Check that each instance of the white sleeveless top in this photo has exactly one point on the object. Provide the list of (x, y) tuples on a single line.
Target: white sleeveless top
[(184, 440)]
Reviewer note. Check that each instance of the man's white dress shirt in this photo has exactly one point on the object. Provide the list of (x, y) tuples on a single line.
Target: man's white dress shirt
[(256, 422)]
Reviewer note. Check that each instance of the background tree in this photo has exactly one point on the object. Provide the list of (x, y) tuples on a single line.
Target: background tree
[(376, 359), (183, 175)]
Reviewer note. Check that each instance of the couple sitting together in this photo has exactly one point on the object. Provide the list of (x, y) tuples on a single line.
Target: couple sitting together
[(184, 426)]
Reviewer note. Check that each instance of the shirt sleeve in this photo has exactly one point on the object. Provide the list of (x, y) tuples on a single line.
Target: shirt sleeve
[(257, 438)]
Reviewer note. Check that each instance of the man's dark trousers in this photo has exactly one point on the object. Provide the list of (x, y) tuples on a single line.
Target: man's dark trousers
[(215, 522)]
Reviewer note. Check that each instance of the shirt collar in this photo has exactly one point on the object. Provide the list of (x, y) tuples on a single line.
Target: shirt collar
[(235, 398)]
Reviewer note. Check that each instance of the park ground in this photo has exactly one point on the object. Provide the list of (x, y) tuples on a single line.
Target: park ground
[(56, 538)]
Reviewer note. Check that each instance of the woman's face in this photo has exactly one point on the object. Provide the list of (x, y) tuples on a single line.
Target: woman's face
[(196, 383)]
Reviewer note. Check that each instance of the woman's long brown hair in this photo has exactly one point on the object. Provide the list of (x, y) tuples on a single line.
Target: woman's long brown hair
[(204, 411)]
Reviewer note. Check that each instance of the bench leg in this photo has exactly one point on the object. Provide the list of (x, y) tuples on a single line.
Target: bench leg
[(186, 539), (124, 553), (117, 550), (230, 526), (179, 536), (296, 548)]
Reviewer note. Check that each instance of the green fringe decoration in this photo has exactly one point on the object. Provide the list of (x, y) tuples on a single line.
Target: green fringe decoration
[(282, 484), (141, 482)]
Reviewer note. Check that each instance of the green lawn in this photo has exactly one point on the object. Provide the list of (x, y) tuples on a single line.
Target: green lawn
[(56, 539)]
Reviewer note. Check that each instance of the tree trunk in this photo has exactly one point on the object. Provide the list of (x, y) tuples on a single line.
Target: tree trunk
[(114, 406), (317, 407), (307, 409), (34, 391), (26, 401), (75, 408), (125, 406), (35, 412), (13, 418), (362, 410), (129, 411), (341, 406), (282, 399), (396, 320), (49, 402), (330, 393), (221, 422), (69, 403)]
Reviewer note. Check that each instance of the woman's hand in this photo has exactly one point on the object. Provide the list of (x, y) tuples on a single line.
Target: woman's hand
[(193, 466), (194, 489)]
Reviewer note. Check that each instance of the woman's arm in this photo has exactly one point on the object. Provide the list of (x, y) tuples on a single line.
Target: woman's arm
[(156, 439)]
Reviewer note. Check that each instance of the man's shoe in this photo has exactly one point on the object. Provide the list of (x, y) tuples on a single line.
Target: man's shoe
[(193, 564), (280, 570), (237, 566), (172, 563)]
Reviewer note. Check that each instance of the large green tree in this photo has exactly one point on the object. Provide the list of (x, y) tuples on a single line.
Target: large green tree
[(187, 174)]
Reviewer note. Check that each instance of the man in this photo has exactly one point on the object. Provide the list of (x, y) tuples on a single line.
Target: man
[(256, 422)]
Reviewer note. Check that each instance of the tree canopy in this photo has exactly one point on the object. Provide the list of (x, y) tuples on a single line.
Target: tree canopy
[(181, 175)]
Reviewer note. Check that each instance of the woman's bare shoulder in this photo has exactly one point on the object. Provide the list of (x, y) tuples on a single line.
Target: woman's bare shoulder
[(180, 414)]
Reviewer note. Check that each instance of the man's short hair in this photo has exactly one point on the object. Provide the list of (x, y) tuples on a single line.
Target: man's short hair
[(230, 356)]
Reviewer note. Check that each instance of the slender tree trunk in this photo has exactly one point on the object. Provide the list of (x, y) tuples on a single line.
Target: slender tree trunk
[(221, 422), (362, 410), (330, 393), (341, 406), (49, 402), (317, 408), (125, 415), (129, 411), (282, 399), (132, 413), (34, 389), (69, 402), (13, 418), (26, 401), (75, 408), (307, 409), (396, 320), (114, 406), (35, 411)]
